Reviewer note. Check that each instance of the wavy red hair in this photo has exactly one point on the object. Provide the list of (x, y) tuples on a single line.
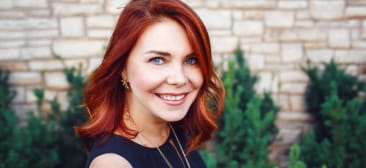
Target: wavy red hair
[(104, 95)]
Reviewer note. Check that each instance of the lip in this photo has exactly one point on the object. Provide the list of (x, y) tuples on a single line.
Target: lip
[(172, 99)]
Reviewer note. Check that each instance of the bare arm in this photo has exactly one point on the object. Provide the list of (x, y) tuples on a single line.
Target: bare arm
[(110, 160)]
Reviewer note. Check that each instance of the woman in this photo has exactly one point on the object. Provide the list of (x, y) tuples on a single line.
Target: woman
[(155, 97)]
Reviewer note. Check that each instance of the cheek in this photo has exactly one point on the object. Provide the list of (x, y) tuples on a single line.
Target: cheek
[(196, 78), (141, 78)]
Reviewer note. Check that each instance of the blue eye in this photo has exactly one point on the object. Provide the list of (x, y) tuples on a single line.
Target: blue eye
[(157, 60), (191, 60)]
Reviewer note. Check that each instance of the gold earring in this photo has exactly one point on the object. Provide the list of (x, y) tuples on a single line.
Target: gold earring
[(125, 84)]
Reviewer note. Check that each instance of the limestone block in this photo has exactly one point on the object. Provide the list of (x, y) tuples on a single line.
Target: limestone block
[(12, 24), (253, 15), (356, 11), (261, 4), (42, 34), (41, 65), (12, 14), (265, 48), (39, 42), (115, 6), (56, 80), (291, 52), (272, 59), (39, 12), (25, 78), (256, 62), (219, 32), (30, 4), (20, 111), (350, 56), (215, 19), (9, 54), (77, 48), (292, 76), (224, 44), (279, 19), (20, 96), (363, 33), (297, 103), (290, 4), (293, 88), (93, 64), (248, 28), (303, 14), (315, 44), (35, 52), (267, 82), (304, 23), (359, 44), (100, 33), (282, 101), (76, 63), (14, 65), (6, 4), (319, 55), (289, 136), (294, 116), (351, 23), (40, 23), (212, 3), (305, 34), (313, 34), (89, 1), (339, 38), (48, 96), (355, 35), (324, 9), (72, 9), (12, 44), (72, 27), (194, 3), (352, 70), (101, 21)]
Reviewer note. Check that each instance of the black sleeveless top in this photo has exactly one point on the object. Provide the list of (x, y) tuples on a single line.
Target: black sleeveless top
[(144, 157)]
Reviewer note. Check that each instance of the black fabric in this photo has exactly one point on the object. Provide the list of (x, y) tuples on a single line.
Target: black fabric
[(144, 157)]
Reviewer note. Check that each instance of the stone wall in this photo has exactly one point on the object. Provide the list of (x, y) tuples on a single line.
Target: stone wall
[(277, 36)]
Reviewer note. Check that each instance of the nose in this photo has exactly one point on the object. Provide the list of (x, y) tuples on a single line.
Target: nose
[(177, 76)]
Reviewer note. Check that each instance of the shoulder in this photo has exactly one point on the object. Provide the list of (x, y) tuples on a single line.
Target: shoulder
[(113, 148), (110, 160)]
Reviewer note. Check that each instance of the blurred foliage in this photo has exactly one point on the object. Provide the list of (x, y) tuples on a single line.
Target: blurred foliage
[(333, 97), (44, 141), (247, 126)]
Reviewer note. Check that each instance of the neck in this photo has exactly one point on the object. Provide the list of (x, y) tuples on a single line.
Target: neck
[(151, 133)]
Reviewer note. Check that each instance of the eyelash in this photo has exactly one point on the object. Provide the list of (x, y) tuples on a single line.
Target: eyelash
[(192, 58), (160, 60), (155, 59)]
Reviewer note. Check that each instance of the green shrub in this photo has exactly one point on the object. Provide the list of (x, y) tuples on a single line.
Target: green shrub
[(29, 146), (71, 151), (338, 139), (247, 126), (46, 141)]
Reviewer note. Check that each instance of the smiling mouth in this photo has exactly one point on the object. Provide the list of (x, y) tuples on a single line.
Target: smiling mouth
[(170, 97)]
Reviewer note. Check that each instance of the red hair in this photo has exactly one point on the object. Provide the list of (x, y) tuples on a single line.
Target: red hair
[(104, 95)]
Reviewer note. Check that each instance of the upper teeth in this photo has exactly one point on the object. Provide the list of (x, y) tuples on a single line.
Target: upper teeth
[(172, 98)]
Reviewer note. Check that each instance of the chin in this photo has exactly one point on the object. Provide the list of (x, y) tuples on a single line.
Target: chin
[(174, 118)]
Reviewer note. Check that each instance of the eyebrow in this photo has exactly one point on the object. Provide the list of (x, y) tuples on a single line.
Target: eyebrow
[(164, 53)]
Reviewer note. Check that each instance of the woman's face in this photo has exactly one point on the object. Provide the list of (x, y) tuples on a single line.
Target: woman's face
[(163, 73)]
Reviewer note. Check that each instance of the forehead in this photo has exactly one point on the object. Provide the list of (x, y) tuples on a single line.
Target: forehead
[(165, 35)]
